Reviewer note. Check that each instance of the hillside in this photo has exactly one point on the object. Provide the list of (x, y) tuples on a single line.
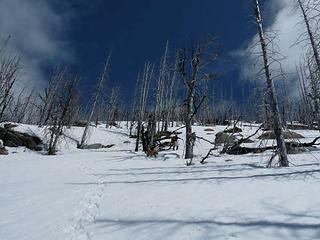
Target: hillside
[(117, 193)]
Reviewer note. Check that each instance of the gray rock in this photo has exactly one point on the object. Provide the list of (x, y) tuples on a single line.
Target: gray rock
[(96, 146), (3, 151), (13, 138), (225, 138), (286, 135), (233, 130)]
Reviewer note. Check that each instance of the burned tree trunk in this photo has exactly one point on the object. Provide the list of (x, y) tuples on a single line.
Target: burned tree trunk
[(63, 110), (10, 69), (190, 83), (277, 123), (95, 102), (160, 88), (147, 75), (310, 33), (190, 69), (49, 96)]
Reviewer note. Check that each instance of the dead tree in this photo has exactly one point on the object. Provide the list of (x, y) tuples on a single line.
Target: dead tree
[(190, 83), (314, 89), (96, 97), (64, 105), (190, 68), (144, 91), (310, 18), (21, 106), (10, 69), (49, 95), (163, 75), (305, 6), (277, 122), (306, 115), (171, 103), (135, 105), (112, 106)]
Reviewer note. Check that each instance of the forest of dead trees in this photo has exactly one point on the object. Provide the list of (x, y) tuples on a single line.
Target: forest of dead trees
[(181, 88)]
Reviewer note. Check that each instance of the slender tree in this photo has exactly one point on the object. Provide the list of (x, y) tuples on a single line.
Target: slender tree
[(191, 65), (10, 70), (96, 96), (144, 91), (277, 123)]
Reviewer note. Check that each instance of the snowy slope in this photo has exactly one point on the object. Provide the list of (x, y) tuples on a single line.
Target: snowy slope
[(119, 194)]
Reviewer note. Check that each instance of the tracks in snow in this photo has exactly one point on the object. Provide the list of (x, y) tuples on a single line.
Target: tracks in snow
[(80, 226)]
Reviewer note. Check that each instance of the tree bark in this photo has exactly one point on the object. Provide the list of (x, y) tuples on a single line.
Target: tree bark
[(271, 89)]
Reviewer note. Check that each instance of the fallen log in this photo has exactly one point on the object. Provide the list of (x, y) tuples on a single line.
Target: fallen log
[(234, 147), (292, 147)]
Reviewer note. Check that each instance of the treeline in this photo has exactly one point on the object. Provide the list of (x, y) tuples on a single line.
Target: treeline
[(182, 87)]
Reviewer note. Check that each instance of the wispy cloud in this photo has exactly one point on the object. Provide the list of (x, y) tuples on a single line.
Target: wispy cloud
[(285, 20), (37, 33)]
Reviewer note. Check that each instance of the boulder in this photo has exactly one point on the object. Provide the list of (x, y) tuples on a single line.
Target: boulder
[(96, 146), (233, 130), (296, 150), (13, 138), (10, 125), (286, 135), (3, 150), (225, 138)]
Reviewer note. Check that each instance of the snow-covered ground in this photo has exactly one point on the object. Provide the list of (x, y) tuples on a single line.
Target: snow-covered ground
[(118, 194)]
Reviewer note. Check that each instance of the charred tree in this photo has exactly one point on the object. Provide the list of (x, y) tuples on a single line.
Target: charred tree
[(96, 96), (277, 122)]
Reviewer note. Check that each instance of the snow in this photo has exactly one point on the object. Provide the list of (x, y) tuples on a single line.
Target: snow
[(119, 194)]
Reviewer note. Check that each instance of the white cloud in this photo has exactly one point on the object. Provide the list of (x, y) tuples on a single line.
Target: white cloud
[(285, 19), (37, 34)]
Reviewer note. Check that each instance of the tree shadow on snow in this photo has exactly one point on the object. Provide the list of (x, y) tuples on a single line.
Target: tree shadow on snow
[(164, 228), (298, 175)]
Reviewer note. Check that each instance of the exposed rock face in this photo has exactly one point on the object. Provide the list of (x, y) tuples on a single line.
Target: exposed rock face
[(96, 146), (10, 125), (233, 130), (13, 138), (225, 138), (286, 135), (3, 150)]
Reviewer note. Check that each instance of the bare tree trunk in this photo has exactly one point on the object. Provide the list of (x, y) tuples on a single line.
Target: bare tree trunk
[(271, 89), (171, 100), (314, 46), (112, 105), (188, 121), (10, 69), (95, 102), (50, 94), (190, 83), (147, 75), (64, 106), (160, 87)]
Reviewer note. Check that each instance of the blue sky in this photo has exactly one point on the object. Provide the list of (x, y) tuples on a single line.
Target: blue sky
[(137, 31), (80, 34)]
